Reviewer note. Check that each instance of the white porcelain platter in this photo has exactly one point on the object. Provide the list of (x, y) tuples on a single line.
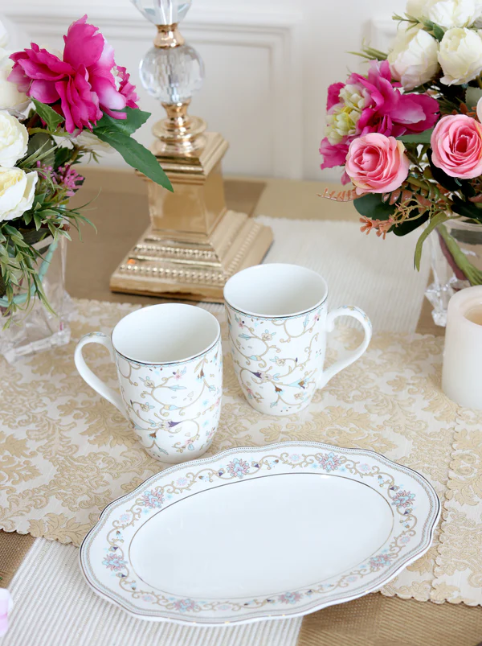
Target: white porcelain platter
[(259, 533)]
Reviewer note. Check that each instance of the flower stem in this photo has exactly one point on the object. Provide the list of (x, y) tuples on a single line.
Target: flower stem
[(473, 275)]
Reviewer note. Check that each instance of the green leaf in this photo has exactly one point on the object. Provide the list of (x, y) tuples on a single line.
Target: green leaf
[(48, 114), (434, 222), (438, 32), (42, 142), (136, 156), (409, 225), (472, 96), (467, 209), (442, 178), (372, 206), (418, 138), (135, 119), (62, 156)]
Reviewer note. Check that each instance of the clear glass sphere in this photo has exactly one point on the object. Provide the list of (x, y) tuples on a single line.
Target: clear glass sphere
[(163, 12), (172, 75)]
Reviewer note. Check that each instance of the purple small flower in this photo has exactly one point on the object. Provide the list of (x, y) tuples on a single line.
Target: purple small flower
[(290, 597), (380, 561), (186, 605), (403, 498), (238, 468), (329, 461), (113, 561), (152, 498)]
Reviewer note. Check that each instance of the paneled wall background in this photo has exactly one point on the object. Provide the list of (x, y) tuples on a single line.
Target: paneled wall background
[(268, 66)]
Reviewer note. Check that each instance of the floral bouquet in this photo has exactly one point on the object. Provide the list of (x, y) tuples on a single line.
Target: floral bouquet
[(408, 133), (56, 110)]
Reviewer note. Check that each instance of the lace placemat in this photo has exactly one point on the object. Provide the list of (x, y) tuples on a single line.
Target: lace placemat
[(65, 453)]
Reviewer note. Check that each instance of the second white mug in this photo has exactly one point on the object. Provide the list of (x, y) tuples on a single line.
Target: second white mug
[(278, 320)]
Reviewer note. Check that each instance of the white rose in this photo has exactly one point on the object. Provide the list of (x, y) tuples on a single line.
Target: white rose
[(460, 56), (13, 139), (10, 96), (89, 140), (452, 13), (17, 192), (414, 57), (415, 8)]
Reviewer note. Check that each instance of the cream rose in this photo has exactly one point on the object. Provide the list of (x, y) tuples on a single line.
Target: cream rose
[(10, 97), (13, 139), (414, 57), (452, 13), (460, 56), (415, 8), (89, 140), (17, 192)]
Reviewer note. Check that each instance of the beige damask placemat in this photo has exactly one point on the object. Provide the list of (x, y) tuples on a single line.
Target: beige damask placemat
[(65, 452)]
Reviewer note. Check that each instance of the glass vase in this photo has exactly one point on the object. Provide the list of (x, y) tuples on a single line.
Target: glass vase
[(456, 259), (36, 328)]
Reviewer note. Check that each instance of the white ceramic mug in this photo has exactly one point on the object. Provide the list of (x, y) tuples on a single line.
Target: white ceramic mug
[(278, 320), (169, 366), (462, 366)]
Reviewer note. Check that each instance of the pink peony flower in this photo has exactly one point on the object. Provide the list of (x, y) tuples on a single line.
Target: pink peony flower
[(372, 104), (377, 164), (457, 146), (333, 155), (390, 112), (333, 95), (86, 82)]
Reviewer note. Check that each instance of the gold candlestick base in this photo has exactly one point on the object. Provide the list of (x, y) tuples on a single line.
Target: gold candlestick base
[(194, 244)]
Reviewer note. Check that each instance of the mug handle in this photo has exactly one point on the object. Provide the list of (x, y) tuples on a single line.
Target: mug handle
[(359, 315), (89, 377)]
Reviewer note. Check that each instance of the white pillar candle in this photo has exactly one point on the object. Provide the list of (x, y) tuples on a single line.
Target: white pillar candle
[(462, 363)]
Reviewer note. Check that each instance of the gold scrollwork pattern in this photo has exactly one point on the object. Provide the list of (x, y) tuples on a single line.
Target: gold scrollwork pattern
[(108, 544)]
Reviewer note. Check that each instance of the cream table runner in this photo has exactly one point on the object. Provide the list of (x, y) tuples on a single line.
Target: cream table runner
[(377, 275)]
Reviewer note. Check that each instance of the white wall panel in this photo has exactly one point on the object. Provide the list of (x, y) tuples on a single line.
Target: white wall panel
[(268, 66)]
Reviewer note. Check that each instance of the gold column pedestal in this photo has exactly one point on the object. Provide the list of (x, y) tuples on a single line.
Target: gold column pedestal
[(194, 244)]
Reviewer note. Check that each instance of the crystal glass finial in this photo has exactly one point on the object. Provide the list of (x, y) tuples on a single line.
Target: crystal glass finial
[(172, 75), (163, 12)]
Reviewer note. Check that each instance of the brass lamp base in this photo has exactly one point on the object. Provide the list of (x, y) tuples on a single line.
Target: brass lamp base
[(194, 244), (190, 271)]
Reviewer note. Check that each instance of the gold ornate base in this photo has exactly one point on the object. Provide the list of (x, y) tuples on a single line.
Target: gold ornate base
[(192, 270)]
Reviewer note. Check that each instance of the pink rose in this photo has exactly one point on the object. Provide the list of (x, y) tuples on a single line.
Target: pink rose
[(87, 83), (457, 146), (377, 164)]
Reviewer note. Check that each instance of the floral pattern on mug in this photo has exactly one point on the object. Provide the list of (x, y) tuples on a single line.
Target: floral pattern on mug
[(278, 360), (175, 408)]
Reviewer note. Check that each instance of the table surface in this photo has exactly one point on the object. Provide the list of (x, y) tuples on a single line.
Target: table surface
[(116, 197), (118, 204)]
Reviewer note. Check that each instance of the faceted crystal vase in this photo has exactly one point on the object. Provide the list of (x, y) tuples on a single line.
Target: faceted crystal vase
[(37, 328), (456, 259)]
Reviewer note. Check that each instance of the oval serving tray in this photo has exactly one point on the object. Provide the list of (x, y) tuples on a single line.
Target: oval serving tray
[(259, 533)]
